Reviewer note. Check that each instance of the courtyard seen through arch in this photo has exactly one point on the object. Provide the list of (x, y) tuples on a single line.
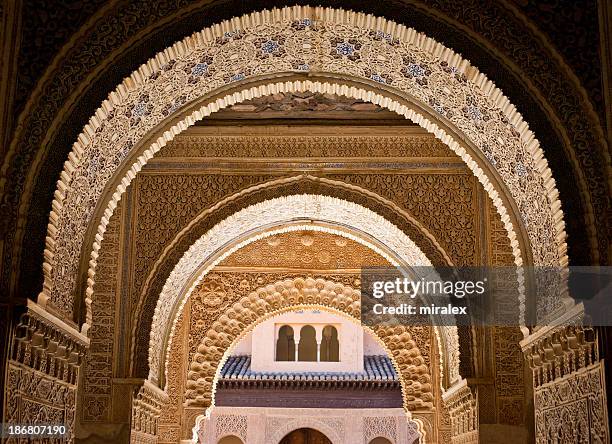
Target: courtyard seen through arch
[(298, 224)]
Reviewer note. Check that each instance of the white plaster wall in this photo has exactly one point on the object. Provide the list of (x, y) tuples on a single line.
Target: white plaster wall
[(244, 347), (263, 343), (371, 346)]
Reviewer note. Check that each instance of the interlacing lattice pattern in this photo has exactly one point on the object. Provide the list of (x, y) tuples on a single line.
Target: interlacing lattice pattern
[(379, 426), (231, 425)]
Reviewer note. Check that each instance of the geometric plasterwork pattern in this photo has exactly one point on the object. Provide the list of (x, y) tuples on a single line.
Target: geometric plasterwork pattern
[(343, 146), (509, 363), (169, 422), (147, 405), (573, 409), (379, 426), (226, 425), (42, 373), (462, 406), (569, 382), (35, 398), (166, 203), (300, 40), (258, 305), (444, 203), (179, 284)]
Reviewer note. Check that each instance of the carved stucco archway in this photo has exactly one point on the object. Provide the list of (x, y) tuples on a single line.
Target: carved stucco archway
[(245, 227), (302, 294), (301, 184), (360, 56)]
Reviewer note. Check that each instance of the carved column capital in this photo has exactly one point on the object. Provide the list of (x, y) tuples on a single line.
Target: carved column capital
[(556, 351), (47, 344), (149, 400), (462, 405)]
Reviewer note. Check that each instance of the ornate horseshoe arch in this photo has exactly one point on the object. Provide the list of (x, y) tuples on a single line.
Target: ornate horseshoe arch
[(355, 55), (281, 187), (245, 227), (297, 294)]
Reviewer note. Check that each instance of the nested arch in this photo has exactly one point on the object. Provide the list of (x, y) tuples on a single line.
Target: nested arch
[(249, 224), (294, 294), (416, 77), (276, 189)]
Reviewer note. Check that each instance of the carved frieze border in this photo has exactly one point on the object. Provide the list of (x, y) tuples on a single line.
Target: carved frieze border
[(45, 343)]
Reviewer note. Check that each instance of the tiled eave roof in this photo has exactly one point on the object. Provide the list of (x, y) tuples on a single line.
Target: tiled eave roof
[(378, 372)]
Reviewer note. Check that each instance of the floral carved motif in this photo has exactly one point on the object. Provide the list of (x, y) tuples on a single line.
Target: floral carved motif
[(98, 365), (568, 379), (462, 405), (233, 286), (169, 422), (440, 202), (169, 204), (147, 404), (344, 146), (509, 359), (43, 371), (35, 398)]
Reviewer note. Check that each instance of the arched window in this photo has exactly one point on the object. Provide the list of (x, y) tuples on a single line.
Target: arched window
[(285, 345), (380, 440), (307, 348), (230, 440), (330, 347)]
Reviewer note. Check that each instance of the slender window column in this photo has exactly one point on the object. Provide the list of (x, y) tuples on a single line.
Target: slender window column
[(319, 337), (296, 341)]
